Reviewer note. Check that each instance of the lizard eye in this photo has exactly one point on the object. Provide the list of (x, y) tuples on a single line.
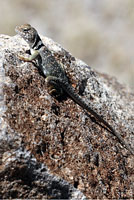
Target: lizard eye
[(26, 29)]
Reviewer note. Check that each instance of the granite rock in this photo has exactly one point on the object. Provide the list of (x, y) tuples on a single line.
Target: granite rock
[(52, 148)]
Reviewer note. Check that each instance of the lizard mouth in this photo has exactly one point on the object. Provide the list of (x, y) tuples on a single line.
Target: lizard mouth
[(16, 30), (19, 32)]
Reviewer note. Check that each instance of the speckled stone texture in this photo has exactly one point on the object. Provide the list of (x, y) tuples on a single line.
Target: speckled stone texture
[(51, 148)]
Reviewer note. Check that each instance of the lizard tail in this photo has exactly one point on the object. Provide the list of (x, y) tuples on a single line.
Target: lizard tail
[(76, 98)]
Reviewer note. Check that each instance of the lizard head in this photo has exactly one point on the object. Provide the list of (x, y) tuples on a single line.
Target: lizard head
[(28, 33)]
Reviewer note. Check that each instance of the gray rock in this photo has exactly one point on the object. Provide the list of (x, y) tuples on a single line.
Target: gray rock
[(43, 138)]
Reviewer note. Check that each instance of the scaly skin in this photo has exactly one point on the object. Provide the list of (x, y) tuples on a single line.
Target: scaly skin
[(55, 74)]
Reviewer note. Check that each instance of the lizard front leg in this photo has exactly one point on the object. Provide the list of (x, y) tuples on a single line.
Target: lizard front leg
[(30, 58)]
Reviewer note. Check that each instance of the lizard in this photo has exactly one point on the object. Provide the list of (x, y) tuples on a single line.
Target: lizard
[(55, 75)]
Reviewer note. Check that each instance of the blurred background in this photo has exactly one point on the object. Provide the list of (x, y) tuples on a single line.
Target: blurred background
[(101, 33)]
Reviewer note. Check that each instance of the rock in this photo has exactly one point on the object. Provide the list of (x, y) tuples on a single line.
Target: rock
[(22, 176), (52, 148)]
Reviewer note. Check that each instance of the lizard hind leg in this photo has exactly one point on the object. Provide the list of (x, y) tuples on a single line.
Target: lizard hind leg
[(53, 87)]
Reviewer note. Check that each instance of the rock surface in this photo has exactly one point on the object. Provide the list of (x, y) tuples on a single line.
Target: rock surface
[(52, 148)]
